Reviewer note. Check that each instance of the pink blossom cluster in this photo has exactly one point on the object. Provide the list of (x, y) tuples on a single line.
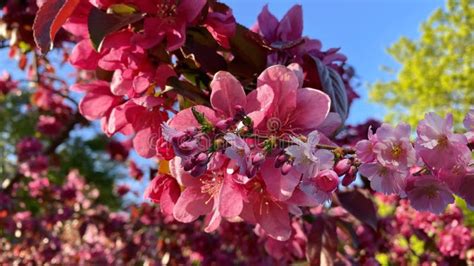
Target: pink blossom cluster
[(31, 160), (134, 102), (230, 161), (406, 234), (261, 157), (429, 171), (7, 85), (288, 44), (74, 228)]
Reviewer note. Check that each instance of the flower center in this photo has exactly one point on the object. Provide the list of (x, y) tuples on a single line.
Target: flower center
[(211, 185), (397, 151), (443, 141), (432, 192), (167, 8)]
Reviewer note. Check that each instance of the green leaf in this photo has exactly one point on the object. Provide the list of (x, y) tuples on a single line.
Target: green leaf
[(206, 126)]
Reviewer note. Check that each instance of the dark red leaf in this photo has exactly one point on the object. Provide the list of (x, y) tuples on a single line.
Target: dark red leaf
[(49, 19), (101, 24), (202, 49), (250, 57), (322, 241), (324, 78), (360, 206)]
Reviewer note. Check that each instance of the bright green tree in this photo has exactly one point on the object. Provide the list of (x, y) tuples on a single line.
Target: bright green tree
[(437, 70)]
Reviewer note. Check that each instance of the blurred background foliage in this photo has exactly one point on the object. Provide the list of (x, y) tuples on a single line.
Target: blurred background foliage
[(436, 71), (18, 119)]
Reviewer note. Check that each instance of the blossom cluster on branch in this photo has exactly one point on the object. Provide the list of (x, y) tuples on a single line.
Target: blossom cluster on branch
[(261, 157), (247, 127)]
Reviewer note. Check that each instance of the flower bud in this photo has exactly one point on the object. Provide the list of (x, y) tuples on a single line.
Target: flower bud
[(280, 160), (286, 168), (198, 170), (187, 164), (327, 180), (224, 124), (187, 148), (350, 176), (201, 159), (258, 158), (342, 166), (239, 111), (251, 171)]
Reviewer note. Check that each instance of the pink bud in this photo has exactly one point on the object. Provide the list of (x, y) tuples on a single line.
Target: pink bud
[(258, 158), (350, 176), (327, 180), (286, 168), (201, 158), (280, 160), (239, 109), (224, 124), (342, 166)]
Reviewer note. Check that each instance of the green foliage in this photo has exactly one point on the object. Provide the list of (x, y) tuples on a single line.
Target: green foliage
[(18, 120), (437, 70), (468, 214)]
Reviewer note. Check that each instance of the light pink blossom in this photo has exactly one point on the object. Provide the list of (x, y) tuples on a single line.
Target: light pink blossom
[(438, 146), (428, 193), (393, 147), (384, 179)]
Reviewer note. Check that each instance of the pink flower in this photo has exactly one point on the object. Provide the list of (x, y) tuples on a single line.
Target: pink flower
[(290, 28), (365, 148), (214, 194), (455, 240), (438, 146), (98, 101), (34, 166), (49, 125), (321, 186), (292, 109), (227, 94), (83, 56), (343, 166), (469, 125), (307, 159), (384, 179), (220, 22), (163, 189), (28, 147), (271, 215), (469, 120), (286, 36), (167, 20), (239, 152), (142, 116), (393, 148), (428, 193), (37, 185)]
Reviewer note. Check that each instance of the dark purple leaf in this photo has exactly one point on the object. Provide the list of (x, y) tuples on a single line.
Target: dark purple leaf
[(360, 206), (101, 24)]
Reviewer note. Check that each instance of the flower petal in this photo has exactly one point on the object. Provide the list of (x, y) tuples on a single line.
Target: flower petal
[(227, 92)]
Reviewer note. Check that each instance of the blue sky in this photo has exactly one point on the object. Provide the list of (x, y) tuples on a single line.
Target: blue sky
[(362, 28)]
